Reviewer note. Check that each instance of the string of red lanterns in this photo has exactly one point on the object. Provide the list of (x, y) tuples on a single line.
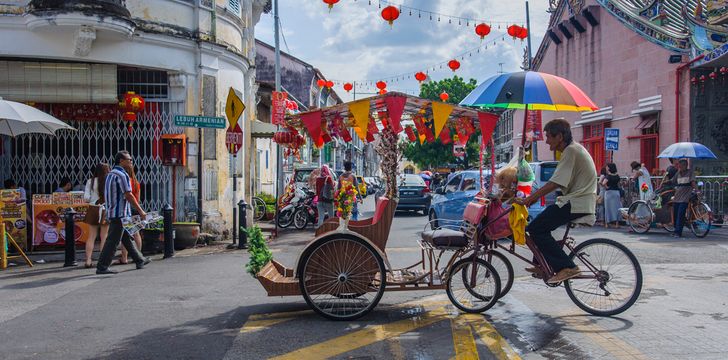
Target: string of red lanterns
[(390, 13)]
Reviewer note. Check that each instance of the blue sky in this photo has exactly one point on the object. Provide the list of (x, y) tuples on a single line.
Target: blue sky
[(353, 43)]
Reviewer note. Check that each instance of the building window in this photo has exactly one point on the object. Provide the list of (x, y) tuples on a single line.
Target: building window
[(234, 7), (149, 84), (593, 141), (650, 126)]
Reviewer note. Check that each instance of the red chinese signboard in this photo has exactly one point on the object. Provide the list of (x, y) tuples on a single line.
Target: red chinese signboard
[(278, 107), (234, 139), (533, 126)]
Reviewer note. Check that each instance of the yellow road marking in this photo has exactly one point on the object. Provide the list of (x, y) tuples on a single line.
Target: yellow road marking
[(462, 337), (366, 336), (490, 336), (261, 321), (608, 341)]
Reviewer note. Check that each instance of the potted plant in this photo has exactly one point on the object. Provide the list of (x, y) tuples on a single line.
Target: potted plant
[(186, 234), (153, 237), (270, 205)]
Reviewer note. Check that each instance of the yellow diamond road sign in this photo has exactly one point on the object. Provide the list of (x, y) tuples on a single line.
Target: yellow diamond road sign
[(234, 107)]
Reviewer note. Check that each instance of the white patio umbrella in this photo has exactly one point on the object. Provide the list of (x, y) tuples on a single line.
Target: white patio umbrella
[(17, 118)]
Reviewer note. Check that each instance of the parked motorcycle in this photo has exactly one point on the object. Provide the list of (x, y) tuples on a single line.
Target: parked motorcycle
[(306, 212), (288, 208)]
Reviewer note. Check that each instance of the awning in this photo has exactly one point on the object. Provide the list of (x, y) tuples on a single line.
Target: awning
[(646, 122), (262, 130)]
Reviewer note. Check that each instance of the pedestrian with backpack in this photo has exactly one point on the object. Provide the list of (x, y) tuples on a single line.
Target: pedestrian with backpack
[(325, 191)]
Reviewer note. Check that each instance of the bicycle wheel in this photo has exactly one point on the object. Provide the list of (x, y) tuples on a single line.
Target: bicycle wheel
[(300, 218), (503, 267), (611, 277), (669, 227), (258, 208), (639, 217), (700, 219), (342, 277), (478, 290)]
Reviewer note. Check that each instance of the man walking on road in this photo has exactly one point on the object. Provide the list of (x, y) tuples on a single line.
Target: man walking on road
[(118, 199)]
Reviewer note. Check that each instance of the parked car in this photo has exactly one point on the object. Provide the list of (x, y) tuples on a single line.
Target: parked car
[(543, 171), (300, 176), (449, 201), (413, 194)]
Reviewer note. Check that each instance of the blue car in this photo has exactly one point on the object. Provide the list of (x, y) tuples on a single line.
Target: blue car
[(543, 171), (449, 201)]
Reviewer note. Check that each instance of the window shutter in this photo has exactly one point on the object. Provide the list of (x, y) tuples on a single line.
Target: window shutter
[(234, 7)]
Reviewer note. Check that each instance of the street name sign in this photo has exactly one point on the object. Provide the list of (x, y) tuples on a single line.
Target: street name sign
[(611, 139), (234, 107), (234, 139), (199, 121)]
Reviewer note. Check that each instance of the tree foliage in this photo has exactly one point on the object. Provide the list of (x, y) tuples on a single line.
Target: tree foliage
[(435, 154)]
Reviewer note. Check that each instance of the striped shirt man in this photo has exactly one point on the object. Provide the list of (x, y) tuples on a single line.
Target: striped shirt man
[(117, 184)]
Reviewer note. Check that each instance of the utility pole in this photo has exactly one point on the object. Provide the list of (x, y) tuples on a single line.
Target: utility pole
[(534, 143), (279, 157)]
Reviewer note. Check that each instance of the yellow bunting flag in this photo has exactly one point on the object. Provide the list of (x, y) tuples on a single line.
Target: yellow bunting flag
[(360, 111), (440, 112)]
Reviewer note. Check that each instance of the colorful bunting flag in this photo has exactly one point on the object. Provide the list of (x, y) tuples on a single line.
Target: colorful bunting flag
[(360, 111), (440, 113), (395, 108)]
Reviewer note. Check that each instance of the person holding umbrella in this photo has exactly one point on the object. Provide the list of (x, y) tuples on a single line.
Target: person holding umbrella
[(684, 181)]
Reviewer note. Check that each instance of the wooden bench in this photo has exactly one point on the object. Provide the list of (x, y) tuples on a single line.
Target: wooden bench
[(376, 228)]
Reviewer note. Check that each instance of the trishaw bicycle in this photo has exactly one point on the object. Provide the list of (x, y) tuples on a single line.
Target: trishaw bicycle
[(698, 217)]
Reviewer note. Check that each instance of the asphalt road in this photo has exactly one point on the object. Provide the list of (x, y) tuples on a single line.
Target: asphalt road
[(208, 307)]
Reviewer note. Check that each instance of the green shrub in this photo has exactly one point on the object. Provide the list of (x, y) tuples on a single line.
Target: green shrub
[(258, 249), (268, 198)]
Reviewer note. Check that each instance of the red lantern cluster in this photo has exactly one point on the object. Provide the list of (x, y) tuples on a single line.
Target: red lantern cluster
[(723, 70), (713, 75), (482, 30), (382, 91), (289, 139), (329, 84), (453, 64), (381, 85), (694, 80), (130, 105), (321, 83), (390, 13), (291, 105), (519, 32), (348, 87), (444, 96), (420, 76), (330, 3)]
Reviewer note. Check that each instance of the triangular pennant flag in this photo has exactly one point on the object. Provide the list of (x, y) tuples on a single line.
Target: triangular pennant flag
[(395, 108), (372, 128), (429, 130), (440, 112), (487, 125), (370, 137), (383, 118), (360, 111), (445, 135), (312, 121), (422, 139)]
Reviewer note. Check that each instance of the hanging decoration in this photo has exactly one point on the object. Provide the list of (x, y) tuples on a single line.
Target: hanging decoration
[(360, 111), (713, 75), (445, 136), (321, 83), (329, 84), (444, 96), (390, 154), (487, 125), (312, 122), (130, 105), (482, 30), (517, 32), (420, 76), (453, 65), (410, 133), (440, 113), (522, 33), (390, 13), (348, 87), (381, 85), (382, 91), (330, 3), (395, 108), (723, 70)]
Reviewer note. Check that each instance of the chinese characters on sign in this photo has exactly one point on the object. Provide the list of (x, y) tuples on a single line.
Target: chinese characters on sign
[(278, 112), (533, 126)]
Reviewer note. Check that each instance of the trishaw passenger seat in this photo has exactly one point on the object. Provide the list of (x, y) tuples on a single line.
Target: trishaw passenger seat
[(445, 237)]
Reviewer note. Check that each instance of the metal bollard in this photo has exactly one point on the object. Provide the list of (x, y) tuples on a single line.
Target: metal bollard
[(243, 212), (168, 232), (70, 239)]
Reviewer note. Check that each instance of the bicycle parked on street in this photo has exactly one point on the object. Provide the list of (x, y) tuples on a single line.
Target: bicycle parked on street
[(259, 208), (642, 214)]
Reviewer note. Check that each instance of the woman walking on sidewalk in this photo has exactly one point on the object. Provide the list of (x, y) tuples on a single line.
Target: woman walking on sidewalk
[(612, 196), (325, 193), (94, 194)]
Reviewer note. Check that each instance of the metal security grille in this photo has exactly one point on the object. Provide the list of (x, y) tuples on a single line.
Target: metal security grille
[(38, 162)]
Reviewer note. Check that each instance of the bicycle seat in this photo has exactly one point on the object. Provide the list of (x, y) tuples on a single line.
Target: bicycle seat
[(587, 220)]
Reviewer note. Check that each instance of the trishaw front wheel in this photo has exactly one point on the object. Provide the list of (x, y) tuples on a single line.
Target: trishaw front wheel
[(611, 278), (473, 285), (639, 217), (503, 267), (342, 277), (700, 219)]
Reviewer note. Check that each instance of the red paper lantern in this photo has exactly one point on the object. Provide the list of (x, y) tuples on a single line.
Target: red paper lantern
[(390, 13), (444, 96), (513, 30), (329, 84), (420, 76), (321, 83), (348, 87), (382, 91), (331, 3), (702, 78), (694, 80), (381, 85), (522, 33), (723, 70), (453, 64), (713, 75), (130, 105), (482, 30)]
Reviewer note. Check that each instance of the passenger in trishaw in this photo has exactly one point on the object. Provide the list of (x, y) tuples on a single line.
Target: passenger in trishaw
[(576, 177)]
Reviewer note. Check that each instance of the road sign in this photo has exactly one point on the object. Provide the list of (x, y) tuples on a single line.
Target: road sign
[(611, 139), (234, 139), (199, 121), (458, 150), (234, 107)]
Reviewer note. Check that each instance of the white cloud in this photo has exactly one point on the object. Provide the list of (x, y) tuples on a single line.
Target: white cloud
[(353, 42)]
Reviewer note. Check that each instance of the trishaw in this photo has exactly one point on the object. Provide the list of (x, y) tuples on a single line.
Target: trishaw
[(642, 213), (343, 272)]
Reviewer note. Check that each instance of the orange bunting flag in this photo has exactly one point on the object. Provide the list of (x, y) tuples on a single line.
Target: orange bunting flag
[(360, 111), (440, 113)]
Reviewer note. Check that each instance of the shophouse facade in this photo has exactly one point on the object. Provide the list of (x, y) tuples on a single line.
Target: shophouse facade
[(633, 58), (76, 59)]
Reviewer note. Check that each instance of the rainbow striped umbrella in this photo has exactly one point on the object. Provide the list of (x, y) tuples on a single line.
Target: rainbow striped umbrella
[(529, 89)]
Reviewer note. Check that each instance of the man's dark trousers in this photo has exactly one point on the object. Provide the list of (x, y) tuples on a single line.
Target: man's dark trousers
[(540, 231), (116, 234)]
